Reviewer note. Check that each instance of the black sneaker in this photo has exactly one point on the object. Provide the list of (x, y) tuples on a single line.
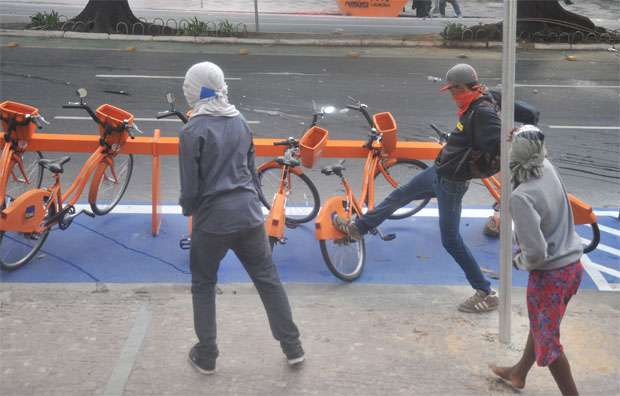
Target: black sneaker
[(295, 355), (203, 366)]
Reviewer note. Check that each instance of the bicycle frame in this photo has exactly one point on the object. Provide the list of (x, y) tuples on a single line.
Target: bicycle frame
[(26, 214), (275, 221), (582, 212), (324, 227), (11, 157)]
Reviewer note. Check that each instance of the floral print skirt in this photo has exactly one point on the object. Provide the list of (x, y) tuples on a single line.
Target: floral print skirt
[(548, 294)]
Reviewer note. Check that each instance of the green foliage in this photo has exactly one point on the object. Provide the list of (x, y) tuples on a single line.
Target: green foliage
[(453, 31), (45, 21), (225, 28), (196, 27)]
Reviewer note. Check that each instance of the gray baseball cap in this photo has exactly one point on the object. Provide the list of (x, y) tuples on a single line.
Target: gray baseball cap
[(460, 74)]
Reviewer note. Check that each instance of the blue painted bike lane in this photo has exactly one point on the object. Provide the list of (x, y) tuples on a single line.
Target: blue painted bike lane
[(118, 248)]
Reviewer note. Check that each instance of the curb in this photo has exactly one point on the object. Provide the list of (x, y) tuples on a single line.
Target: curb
[(327, 42)]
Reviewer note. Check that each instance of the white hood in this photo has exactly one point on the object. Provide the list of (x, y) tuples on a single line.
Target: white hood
[(206, 91)]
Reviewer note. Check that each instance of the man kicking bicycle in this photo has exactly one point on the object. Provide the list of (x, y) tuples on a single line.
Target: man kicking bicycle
[(471, 151)]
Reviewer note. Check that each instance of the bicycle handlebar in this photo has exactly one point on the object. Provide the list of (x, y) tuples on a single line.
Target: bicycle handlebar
[(442, 135), (362, 108), (83, 106), (166, 114), (290, 142), (133, 128), (39, 121)]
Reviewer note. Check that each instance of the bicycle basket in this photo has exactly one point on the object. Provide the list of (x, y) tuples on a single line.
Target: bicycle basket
[(18, 111), (113, 117), (311, 145), (386, 126)]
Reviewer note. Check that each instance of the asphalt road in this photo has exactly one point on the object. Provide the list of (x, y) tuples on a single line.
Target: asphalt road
[(275, 87)]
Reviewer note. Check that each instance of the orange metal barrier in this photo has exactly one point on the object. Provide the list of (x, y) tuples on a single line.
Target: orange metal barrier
[(157, 146)]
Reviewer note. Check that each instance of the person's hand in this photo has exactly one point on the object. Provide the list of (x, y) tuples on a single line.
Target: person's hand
[(511, 133)]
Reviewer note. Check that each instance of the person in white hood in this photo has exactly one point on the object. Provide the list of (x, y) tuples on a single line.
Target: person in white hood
[(219, 189)]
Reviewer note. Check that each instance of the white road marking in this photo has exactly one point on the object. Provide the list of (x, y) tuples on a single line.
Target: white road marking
[(153, 77), (567, 86), (290, 74), (606, 213), (603, 248), (606, 270), (609, 230), (596, 275), (583, 127), (77, 118), (426, 212)]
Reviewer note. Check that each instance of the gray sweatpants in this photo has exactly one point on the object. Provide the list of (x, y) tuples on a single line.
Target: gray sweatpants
[(252, 248)]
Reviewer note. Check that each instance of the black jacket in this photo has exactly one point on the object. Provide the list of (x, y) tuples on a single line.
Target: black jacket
[(477, 134)]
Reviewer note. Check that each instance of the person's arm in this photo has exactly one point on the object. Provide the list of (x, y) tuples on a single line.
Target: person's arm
[(532, 244), (487, 128), (189, 165)]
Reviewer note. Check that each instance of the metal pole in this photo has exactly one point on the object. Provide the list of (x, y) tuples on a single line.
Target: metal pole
[(508, 96), (256, 15)]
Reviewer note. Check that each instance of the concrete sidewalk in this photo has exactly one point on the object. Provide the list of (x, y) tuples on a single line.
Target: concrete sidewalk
[(61, 339)]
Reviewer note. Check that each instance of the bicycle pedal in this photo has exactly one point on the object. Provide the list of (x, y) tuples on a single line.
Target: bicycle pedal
[(88, 213), (185, 243), (388, 237), (344, 241), (291, 226)]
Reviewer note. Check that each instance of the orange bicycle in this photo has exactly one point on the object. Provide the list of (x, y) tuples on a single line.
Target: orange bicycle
[(295, 197), (344, 256), (19, 169), (27, 221), (582, 212)]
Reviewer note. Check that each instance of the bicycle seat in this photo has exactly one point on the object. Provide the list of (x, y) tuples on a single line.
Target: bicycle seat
[(291, 162), (335, 169), (55, 165)]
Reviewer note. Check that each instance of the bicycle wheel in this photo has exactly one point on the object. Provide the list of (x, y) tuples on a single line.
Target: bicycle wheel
[(17, 248), (596, 238), (345, 257), (110, 183), (302, 200), (29, 178), (400, 172)]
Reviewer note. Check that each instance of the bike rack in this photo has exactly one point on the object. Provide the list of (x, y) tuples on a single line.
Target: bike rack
[(156, 146)]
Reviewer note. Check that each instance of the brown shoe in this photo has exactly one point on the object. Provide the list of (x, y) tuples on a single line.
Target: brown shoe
[(346, 227), (491, 228)]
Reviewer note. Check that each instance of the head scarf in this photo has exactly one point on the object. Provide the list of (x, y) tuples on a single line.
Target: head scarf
[(527, 154), (206, 91)]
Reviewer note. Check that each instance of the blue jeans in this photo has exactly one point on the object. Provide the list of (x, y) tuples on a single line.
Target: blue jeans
[(455, 5), (449, 194)]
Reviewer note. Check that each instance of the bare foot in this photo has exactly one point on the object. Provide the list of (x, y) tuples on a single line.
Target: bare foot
[(506, 373)]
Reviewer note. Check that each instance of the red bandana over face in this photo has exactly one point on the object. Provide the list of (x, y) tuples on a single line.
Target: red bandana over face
[(464, 99)]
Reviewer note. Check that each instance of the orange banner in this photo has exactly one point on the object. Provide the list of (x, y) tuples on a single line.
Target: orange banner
[(372, 8)]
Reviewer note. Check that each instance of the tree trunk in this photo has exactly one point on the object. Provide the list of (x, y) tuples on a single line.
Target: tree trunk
[(106, 16), (550, 11), (539, 20)]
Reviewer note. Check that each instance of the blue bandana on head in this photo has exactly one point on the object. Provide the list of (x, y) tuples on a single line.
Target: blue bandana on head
[(206, 93)]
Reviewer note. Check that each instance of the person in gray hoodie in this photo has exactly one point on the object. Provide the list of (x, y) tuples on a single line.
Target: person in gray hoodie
[(219, 189), (550, 249)]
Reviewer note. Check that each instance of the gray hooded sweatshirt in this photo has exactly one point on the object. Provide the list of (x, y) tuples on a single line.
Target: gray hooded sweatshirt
[(218, 175), (544, 226)]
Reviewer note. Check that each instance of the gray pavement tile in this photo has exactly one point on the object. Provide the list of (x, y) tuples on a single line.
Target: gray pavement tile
[(360, 340)]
